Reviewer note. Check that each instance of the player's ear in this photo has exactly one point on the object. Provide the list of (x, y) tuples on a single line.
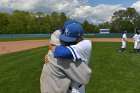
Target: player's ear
[(82, 37)]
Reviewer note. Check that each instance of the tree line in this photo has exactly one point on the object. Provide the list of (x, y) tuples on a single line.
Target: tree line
[(22, 22)]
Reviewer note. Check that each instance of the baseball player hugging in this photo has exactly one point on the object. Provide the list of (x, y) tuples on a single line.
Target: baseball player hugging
[(68, 58), (79, 51)]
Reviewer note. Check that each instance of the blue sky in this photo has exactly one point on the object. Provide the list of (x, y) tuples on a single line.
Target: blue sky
[(95, 11), (125, 3)]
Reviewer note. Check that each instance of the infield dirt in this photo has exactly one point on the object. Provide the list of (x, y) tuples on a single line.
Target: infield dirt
[(14, 46)]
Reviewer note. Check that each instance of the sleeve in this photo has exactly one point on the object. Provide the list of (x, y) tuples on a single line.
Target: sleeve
[(62, 52), (133, 36), (73, 51), (55, 38)]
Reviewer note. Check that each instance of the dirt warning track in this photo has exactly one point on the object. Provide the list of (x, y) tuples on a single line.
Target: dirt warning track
[(14, 46), (109, 39)]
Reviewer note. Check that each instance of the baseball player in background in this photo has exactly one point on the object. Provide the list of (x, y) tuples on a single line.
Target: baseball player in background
[(136, 39), (80, 51), (56, 75), (124, 40), (138, 46)]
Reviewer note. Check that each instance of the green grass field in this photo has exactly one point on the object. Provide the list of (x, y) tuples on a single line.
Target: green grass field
[(113, 72)]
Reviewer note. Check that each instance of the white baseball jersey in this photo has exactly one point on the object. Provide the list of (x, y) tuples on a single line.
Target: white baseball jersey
[(81, 51), (135, 37), (138, 37), (138, 46), (124, 37)]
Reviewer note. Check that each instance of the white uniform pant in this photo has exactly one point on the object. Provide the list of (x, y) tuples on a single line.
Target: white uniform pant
[(138, 45), (82, 89), (135, 45), (123, 44), (76, 89)]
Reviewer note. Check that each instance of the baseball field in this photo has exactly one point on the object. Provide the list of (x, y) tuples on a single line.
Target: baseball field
[(113, 72)]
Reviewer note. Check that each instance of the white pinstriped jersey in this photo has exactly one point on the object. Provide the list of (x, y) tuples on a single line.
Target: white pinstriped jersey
[(139, 38), (135, 37), (81, 51), (124, 37)]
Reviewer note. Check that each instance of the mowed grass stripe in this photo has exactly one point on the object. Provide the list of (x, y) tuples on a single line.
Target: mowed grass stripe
[(20, 71), (113, 72)]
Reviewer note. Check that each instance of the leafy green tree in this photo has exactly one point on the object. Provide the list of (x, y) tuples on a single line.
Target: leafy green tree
[(62, 19), (3, 22), (123, 20), (94, 28), (54, 21), (90, 28), (17, 22), (127, 26), (86, 26), (46, 26), (105, 25), (130, 14), (137, 22)]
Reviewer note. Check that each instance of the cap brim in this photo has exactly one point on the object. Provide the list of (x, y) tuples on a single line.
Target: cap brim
[(67, 39)]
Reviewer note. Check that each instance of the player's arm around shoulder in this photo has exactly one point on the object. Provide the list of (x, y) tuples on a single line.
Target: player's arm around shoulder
[(54, 41)]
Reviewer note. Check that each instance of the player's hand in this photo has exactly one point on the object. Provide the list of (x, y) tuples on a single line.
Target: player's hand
[(46, 59), (52, 47)]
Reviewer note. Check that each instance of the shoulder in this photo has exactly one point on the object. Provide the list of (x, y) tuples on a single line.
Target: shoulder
[(85, 44), (85, 41), (135, 35), (56, 33), (124, 35), (55, 37)]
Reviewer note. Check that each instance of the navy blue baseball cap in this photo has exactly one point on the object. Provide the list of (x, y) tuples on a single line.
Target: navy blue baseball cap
[(69, 22), (72, 32)]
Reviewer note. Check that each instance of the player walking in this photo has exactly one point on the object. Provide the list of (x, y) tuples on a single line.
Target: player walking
[(136, 39), (124, 40), (138, 45)]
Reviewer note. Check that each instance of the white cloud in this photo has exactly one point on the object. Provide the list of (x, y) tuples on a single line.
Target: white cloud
[(18, 4), (97, 14), (136, 6), (75, 9)]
